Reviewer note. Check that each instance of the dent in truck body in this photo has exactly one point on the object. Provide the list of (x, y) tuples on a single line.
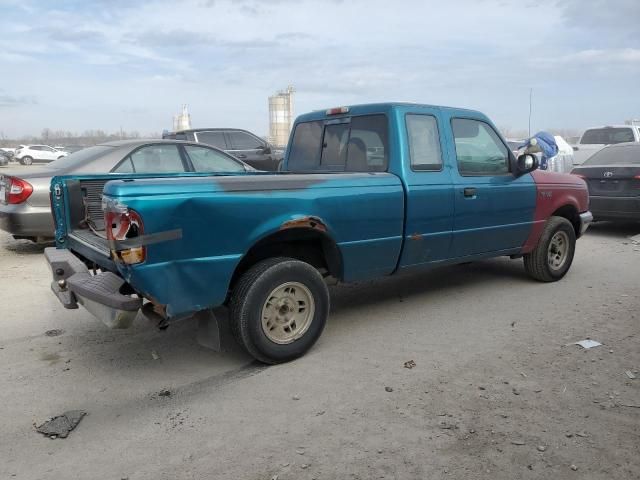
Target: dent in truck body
[(182, 274)]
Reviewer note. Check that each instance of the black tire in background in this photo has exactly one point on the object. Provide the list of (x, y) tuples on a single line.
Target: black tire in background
[(251, 296), (539, 264)]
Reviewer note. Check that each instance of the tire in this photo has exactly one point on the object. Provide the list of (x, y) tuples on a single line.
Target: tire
[(545, 263), (26, 160), (262, 294)]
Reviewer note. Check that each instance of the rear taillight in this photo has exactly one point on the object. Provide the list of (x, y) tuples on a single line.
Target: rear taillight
[(18, 190), (122, 223)]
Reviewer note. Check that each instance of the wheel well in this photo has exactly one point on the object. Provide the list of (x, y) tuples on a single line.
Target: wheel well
[(308, 245), (570, 213)]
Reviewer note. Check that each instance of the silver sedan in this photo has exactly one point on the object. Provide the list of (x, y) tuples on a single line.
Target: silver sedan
[(25, 209)]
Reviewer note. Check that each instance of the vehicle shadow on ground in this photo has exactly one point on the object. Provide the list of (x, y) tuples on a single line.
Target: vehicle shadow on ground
[(614, 229), (427, 284)]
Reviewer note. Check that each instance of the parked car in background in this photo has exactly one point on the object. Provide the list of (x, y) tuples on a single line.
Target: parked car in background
[(613, 178), (28, 154), (595, 139), (5, 158), (25, 209), (241, 144), (8, 153)]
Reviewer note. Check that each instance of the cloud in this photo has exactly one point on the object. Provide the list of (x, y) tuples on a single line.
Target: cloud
[(17, 100), (102, 58)]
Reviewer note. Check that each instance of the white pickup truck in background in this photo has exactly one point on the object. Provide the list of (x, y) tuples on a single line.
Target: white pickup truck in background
[(595, 139)]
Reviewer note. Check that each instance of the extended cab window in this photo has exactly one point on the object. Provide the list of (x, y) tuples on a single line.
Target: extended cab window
[(353, 144), (479, 150), (208, 160), (424, 142)]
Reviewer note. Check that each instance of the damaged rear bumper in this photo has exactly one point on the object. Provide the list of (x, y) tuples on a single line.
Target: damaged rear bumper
[(100, 294)]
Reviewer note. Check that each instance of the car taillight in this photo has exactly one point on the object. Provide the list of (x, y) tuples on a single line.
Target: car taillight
[(18, 190), (122, 223)]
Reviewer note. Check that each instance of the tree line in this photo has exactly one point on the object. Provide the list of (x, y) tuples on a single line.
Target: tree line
[(87, 138)]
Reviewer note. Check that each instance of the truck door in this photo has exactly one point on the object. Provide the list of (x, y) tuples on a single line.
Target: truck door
[(493, 208), (429, 187)]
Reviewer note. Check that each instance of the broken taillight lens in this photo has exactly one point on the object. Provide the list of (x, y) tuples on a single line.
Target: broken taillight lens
[(122, 223)]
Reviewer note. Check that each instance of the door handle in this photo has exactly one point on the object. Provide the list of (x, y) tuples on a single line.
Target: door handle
[(242, 155), (469, 192)]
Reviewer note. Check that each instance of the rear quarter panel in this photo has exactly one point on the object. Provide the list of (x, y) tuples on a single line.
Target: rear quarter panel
[(222, 218)]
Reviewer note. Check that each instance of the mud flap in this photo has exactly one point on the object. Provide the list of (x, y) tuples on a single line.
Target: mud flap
[(212, 333)]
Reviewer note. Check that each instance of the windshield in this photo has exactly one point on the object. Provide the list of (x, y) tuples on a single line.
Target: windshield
[(620, 155), (80, 157), (607, 136)]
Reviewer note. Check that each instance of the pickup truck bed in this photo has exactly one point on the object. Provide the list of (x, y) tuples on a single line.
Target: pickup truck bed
[(355, 204)]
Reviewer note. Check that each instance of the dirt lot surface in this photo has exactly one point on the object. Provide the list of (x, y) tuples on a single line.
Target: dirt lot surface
[(497, 390)]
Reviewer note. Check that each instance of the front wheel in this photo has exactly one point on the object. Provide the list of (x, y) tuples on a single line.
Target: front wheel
[(26, 160), (278, 309), (553, 255)]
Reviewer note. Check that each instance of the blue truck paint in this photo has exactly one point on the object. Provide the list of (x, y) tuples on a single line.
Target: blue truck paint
[(380, 222)]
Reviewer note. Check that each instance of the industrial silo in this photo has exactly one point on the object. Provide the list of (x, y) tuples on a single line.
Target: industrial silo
[(182, 121), (280, 117)]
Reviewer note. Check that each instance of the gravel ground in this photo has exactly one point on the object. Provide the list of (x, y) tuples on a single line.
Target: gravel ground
[(497, 390)]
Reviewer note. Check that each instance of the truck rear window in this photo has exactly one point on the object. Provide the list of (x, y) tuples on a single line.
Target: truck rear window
[(352, 144), (607, 136)]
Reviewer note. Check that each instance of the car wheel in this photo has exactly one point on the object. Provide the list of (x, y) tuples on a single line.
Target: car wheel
[(26, 160), (552, 257), (278, 309)]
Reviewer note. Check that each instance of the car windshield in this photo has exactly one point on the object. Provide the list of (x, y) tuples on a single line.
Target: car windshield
[(607, 136), (80, 157), (618, 155)]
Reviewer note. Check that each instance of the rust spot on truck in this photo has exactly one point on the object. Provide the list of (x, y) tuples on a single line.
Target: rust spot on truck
[(416, 236), (313, 223)]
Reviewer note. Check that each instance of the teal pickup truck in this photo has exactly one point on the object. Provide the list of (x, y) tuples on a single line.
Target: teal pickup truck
[(366, 191)]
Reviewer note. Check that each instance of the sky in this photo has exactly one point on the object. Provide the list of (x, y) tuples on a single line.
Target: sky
[(108, 64)]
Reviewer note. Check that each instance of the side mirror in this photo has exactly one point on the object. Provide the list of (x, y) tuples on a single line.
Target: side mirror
[(526, 163), (266, 148)]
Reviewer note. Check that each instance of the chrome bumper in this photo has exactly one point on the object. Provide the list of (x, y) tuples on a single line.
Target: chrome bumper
[(585, 220)]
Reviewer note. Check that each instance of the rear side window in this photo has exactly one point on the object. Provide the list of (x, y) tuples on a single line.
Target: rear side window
[(155, 159), (619, 155), (424, 142), (354, 144), (208, 160), (607, 136), (213, 138)]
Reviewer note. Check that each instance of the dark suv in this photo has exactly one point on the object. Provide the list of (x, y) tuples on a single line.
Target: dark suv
[(241, 144)]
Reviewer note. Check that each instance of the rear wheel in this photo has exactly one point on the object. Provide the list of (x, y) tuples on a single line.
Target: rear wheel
[(26, 160), (279, 309), (553, 255)]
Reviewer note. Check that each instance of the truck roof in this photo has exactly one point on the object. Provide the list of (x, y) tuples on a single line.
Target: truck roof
[(369, 108)]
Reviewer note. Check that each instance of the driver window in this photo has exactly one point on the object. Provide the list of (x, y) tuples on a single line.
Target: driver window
[(479, 150)]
